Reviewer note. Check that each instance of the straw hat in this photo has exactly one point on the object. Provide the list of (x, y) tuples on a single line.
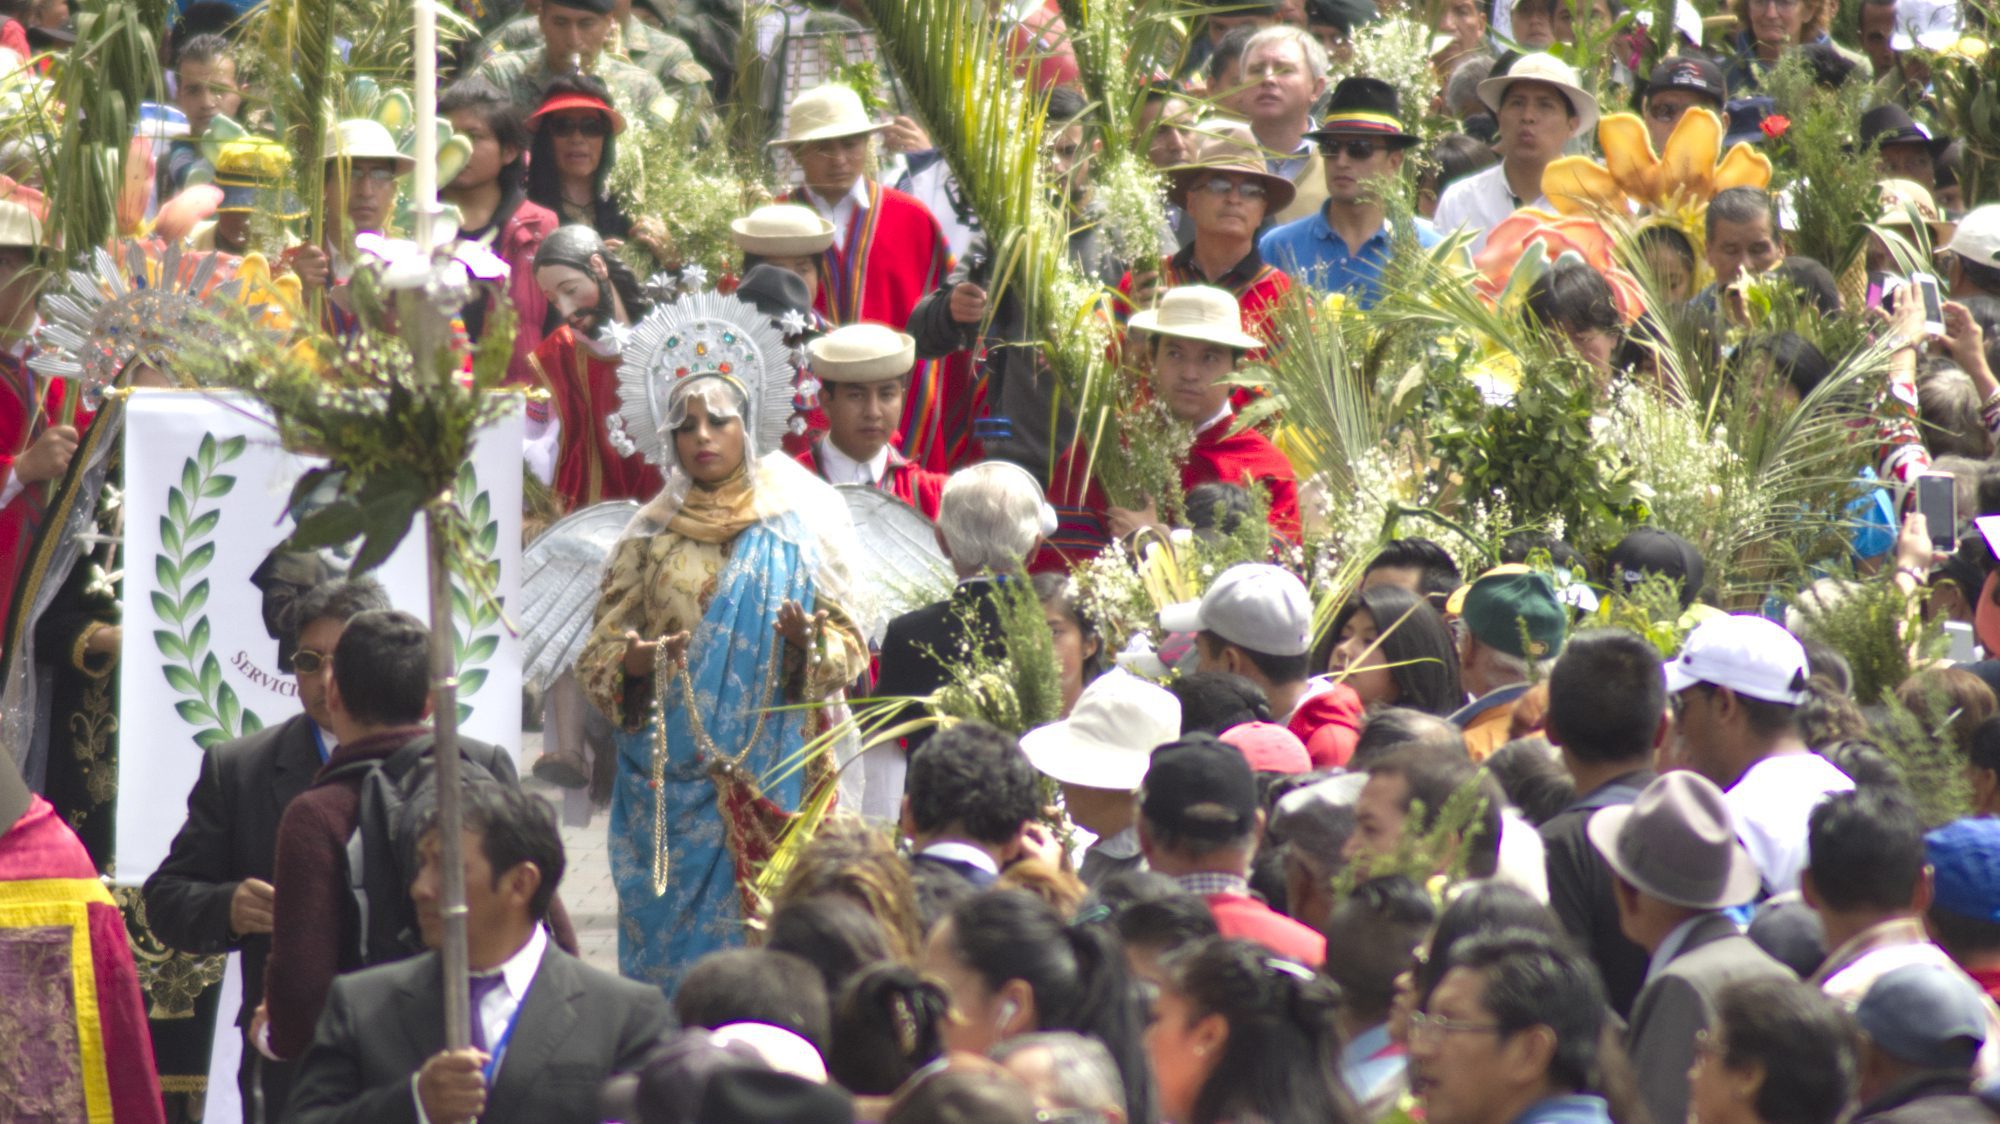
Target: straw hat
[(1231, 148), (862, 353), (825, 112), (1898, 197), (359, 138), (782, 230), (1198, 312), (1549, 70)]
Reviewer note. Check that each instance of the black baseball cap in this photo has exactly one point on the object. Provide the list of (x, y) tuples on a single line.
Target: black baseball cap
[(1689, 72), (1649, 550), (1201, 787)]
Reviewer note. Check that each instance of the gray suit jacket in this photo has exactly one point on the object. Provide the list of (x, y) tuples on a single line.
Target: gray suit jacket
[(577, 1027), (1680, 1001)]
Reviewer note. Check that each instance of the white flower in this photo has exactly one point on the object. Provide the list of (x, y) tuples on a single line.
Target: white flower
[(445, 276), (614, 432)]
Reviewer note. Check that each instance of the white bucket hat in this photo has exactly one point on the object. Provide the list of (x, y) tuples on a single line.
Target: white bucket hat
[(862, 353), (782, 230), (1549, 70), (359, 138), (825, 112), (1198, 312), (1109, 735)]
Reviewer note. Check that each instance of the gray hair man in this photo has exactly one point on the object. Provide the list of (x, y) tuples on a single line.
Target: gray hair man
[(1071, 1077)]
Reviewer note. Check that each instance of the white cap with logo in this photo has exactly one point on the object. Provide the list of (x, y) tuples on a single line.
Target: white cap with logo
[(1747, 654), (1977, 238), (1253, 605)]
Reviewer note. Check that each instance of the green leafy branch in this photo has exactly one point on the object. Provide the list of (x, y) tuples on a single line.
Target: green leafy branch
[(187, 549), (475, 608)]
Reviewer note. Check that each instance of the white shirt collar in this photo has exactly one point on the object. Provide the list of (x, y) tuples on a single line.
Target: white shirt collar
[(962, 853), (1216, 419), (840, 468), (837, 211), (519, 970)]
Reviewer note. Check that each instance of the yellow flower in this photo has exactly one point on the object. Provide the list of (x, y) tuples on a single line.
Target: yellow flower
[(1688, 172)]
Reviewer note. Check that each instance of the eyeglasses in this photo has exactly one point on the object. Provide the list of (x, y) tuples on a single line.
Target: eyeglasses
[(1223, 185), (587, 124), (305, 661), (379, 177), (1354, 149), (1776, 5), (1665, 111), (1431, 1027)]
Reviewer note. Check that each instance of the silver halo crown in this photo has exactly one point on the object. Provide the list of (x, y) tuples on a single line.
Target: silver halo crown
[(702, 334)]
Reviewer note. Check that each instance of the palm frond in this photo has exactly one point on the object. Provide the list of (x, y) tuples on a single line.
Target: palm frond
[(113, 66)]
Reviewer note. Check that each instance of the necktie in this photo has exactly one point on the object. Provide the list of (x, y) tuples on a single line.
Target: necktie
[(480, 987)]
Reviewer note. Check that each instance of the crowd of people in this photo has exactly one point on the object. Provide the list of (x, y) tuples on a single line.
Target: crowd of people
[(1183, 805)]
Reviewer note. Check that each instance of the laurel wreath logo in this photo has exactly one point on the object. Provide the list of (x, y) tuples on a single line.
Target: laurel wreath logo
[(475, 618), (187, 547)]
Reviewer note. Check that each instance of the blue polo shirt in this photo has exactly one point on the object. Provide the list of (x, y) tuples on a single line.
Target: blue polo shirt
[(1314, 255)]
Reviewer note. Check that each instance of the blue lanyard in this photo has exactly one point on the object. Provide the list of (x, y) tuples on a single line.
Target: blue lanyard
[(319, 740), (500, 1047)]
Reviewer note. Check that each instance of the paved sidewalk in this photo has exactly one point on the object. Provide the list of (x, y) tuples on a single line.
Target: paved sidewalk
[(586, 885)]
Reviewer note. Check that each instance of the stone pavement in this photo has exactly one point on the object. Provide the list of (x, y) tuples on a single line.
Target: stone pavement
[(586, 885)]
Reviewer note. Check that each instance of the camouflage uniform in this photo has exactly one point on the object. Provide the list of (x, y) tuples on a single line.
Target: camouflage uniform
[(634, 92), (645, 46)]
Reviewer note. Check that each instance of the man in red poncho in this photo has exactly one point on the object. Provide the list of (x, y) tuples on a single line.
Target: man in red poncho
[(78, 1046), (33, 450), (864, 370), (569, 445), (888, 252)]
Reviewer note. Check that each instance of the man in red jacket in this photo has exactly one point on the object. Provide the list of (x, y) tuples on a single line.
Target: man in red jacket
[(864, 370), (888, 252), (32, 449), (1255, 621), (1199, 824)]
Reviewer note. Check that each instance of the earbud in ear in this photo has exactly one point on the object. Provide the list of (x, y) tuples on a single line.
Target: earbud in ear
[(1008, 1009)]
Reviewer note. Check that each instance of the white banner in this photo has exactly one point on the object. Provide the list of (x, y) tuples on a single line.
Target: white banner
[(206, 484)]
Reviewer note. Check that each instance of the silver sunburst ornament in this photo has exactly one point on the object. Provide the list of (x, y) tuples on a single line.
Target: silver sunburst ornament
[(704, 334), (142, 299)]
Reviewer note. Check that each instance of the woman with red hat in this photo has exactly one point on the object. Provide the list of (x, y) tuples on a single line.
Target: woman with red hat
[(573, 152)]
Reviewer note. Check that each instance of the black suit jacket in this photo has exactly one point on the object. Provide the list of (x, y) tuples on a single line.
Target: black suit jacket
[(231, 834), (920, 646), (577, 1027)]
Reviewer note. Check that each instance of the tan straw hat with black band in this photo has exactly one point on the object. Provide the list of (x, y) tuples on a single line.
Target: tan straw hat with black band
[(1232, 149)]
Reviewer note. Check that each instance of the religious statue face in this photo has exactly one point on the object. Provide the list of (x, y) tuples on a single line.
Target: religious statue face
[(708, 445), (578, 296)]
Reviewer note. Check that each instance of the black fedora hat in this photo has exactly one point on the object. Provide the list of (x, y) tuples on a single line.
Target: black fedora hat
[(1363, 107), (1890, 124)]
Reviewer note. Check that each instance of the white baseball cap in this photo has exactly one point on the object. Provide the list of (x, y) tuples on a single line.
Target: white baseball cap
[(1977, 238), (1930, 24), (1109, 735), (1253, 605), (1749, 655)]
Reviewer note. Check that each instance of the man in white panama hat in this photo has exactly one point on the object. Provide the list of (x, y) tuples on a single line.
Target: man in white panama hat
[(362, 167), (864, 371), (887, 252), (1195, 340), (1540, 106)]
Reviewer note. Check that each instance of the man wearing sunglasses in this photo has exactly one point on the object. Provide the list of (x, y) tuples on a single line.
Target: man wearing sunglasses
[(1678, 85), (1341, 247), (213, 893)]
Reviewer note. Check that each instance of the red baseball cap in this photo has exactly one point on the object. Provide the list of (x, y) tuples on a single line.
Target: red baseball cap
[(1269, 747)]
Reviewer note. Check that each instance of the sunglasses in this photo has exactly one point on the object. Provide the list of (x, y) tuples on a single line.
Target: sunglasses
[(1355, 149), (305, 661), (587, 124), (1223, 185)]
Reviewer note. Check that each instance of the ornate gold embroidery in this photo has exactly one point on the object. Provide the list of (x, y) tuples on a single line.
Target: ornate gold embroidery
[(93, 729), (171, 980)]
